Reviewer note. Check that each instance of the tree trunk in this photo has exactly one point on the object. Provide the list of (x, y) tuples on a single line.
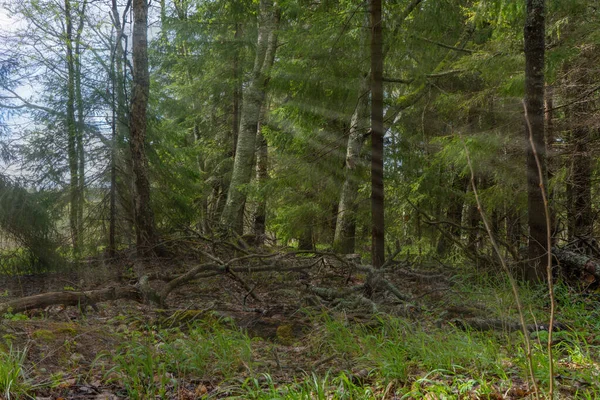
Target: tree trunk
[(345, 227), (377, 194), (306, 240), (144, 217), (72, 133), (549, 119), (262, 162), (237, 89), (119, 193), (534, 35), (80, 127), (579, 185), (253, 99)]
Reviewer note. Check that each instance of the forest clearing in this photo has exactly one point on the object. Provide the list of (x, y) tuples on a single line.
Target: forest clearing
[(299, 199)]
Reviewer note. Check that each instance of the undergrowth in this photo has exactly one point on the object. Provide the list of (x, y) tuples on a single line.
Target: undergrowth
[(382, 357), (13, 384)]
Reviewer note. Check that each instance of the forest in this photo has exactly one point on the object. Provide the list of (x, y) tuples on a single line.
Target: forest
[(299, 199)]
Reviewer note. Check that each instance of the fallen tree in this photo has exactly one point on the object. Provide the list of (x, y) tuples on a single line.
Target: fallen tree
[(575, 263), (84, 298)]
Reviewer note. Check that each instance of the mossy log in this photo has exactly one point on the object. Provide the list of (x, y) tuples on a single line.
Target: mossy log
[(89, 297), (573, 261)]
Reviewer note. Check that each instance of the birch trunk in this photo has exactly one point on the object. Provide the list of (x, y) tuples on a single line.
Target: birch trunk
[(345, 228), (253, 99)]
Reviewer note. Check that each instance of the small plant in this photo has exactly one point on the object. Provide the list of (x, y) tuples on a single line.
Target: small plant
[(15, 317), (142, 372), (13, 384)]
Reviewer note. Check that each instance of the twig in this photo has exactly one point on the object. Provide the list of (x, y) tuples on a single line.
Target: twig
[(513, 283), (548, 252)]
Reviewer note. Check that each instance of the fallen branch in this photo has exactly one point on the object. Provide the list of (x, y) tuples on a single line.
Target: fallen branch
[(89, 297)]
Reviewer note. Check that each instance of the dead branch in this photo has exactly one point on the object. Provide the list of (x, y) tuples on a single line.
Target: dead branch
[(89, 297)]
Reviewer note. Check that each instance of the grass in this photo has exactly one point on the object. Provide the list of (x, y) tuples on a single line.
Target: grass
[(394, 356), (151, 364), (384, 357), (13, 384)]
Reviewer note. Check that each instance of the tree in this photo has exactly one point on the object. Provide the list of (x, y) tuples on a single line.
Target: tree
[(144, 216), (253, 99), (534, 35), (377, 194)]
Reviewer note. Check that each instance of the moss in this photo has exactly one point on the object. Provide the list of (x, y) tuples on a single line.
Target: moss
[(285, 334), (69, 329), (43, 334)]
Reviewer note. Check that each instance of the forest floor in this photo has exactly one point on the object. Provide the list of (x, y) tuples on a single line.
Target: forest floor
[(454, 339)]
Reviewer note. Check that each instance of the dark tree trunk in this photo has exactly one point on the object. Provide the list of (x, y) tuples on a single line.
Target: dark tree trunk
[(579, 185), (377, 196), (305, 242), (262, 161), (549, 116), (144, 217), (534, 35)]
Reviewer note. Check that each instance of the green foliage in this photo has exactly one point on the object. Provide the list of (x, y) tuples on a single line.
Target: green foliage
[(25, 218), (149, 365), (140, 370), (341, 387), (13, 384)]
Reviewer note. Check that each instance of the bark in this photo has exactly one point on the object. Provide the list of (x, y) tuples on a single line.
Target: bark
[(534, 35), (118, 191), (237, 90), (80, 127), (549, 119), (253, 99), (83, 299), (143, 215), (262, 162), (305, 242), (377, 194), (571, 261), (72, 133), (454, 213), (579, 209), (345, 227)]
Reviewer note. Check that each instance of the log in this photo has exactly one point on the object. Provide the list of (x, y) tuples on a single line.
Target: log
[(89, 297), (573, 261)]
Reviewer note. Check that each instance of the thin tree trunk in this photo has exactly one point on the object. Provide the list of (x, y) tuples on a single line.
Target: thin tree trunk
[(534, 34), (144, 217), (112, 247), (121, 195), (262, 163), (237, 89), (377, 195), (579, 182), (80, 127), (253, 99), (72, 132)]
